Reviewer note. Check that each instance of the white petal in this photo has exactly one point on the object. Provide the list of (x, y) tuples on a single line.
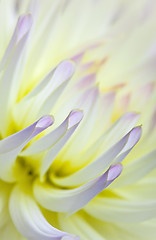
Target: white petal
[(73, 122), (12, 145), (22, 28), (137, 169), (78, 224), (116, 152), (89, 103), (75, 199), (50, 139), (53, 142), (12, 74), (115, 210), (29, 220), (46, 93)]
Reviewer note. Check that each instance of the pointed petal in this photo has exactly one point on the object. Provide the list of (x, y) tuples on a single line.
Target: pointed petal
[(116, 152), (46, 93), (12, 145), (50, 139), (73, 122), (12, 74), (22, 28), (29, 220), (75, 199), (89, 103), (55, 140), (137, 169)]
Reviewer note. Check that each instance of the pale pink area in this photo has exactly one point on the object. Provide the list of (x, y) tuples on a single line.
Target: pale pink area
[(78, 57), (153, 121), (88, 98), (147, 90), (87, 66), (125, 101), (86, 81)]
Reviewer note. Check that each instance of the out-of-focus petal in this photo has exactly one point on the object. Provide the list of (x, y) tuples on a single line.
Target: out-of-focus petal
[(75, 199), (78, 225), (29, 220), (12, 145), (123, 210)]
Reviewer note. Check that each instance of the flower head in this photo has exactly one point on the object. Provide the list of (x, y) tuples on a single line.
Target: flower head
[(87, 72)]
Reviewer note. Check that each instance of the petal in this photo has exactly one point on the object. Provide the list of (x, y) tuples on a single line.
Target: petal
[(75, 199), (9, 231), (4, 195), (95, 145), (50, 139), (121, 210), (78, 225), (116, 152), (46, 93), (12, 145), (28, 219), (55, 140), (22, 28), (73, 122), (89, 103), (137, 169), (11, 76)]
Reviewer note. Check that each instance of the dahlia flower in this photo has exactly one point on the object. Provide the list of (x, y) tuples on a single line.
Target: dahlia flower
[(77, 87)]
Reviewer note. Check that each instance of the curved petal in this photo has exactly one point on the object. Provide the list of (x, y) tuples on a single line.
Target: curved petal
[(22, 28), (11, 76), (78, 224), (53, 137), (46, 93), (29, 220), (4, 195), (117, 152), (115, 210), (75, 199), (137, 169), (12, 145)]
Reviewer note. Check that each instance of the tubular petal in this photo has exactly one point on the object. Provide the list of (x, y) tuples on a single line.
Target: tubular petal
[(73, 122), (22, 28), (12, 145), (28, 219), (12, 75), (99, 164), (75, 199), (46, 93), (137, 169), (121, 210), (55, 140), (50, 139)]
